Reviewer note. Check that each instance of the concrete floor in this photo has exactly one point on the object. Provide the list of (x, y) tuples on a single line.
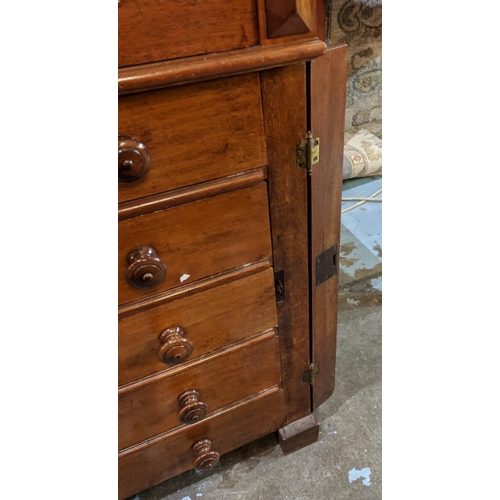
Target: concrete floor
[(346, 461)]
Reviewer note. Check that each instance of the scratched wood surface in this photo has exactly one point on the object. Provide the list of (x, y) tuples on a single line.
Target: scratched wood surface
[(216, 65), (198, 239), (149, 30), (285, 108), (194, 133)]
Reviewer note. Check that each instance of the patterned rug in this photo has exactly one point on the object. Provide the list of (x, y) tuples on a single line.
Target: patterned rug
[(359, 24), (362, 155)]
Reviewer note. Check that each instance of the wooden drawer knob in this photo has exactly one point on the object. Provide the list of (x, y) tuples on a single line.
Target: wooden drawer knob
[(175, 347), (192, 409), (145, 268), (205, 457), (133, 159)]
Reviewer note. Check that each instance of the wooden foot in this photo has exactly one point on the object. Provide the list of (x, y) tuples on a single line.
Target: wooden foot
[(298, 434)]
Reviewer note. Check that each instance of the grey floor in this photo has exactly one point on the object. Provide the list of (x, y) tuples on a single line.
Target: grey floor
[(346, 461)]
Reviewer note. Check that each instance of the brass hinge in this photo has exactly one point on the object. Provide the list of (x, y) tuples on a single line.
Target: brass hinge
[(310, 374), (308, 152)]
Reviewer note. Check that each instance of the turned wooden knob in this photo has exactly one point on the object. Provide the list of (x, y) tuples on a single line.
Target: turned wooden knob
[(175, 347), (133, 159), (192, 409), (205, 457), (145, 268)]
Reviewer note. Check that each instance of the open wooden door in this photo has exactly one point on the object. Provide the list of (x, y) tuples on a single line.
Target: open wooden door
[(327, 91)]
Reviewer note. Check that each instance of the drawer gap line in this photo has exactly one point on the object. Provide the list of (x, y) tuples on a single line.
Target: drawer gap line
[(255, 339), (192, 288), (217, 65), (188, 194), (159, 437)]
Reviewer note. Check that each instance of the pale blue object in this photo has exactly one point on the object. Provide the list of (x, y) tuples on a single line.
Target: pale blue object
[(365, 221), (360, 257), (363, 473), (362, 226)]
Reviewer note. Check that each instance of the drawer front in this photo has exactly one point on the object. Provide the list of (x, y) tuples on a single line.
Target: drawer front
[(150, 408), (144, 466), (192, 241), (188, 135), (150, 31), (210, 319)]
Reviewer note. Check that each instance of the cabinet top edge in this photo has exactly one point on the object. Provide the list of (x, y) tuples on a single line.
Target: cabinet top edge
[(217, 65)]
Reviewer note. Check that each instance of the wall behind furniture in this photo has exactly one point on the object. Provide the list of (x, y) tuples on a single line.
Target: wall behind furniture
[(359, 24)]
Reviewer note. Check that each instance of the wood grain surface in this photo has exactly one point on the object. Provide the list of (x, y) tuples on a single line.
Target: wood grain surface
[(217, 65), (185, 195), (151, 407), (289, 17), (321, 18), (212, 319), (150, 31), (298, 434), (198, 239), (285, 108), (151, 463), (283, 22), (192, 288), (194, 133), (327, 111)]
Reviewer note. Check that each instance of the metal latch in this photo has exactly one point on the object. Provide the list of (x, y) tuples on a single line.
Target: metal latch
[(308, 153), (279, 285), (326, 265), (310, 374)]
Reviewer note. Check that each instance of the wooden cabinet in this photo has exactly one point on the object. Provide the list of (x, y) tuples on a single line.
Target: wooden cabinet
[(231, 119)]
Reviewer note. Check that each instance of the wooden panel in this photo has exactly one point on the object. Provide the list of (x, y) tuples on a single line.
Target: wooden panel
[(144, 466), (211, 319), (149, 30), (289, 17), (198, 239), (210, 66), (328, 89), (286, 21), (321, 17), (194, 133), (151, 407), (192, 288), (284, 97), (298, 434), (185, 195)]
